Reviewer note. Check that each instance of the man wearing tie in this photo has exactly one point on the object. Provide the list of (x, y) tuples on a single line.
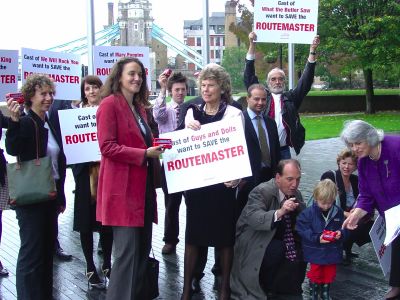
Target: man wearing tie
[(283, 106), (267, 254), (167, 117), (262, 142)]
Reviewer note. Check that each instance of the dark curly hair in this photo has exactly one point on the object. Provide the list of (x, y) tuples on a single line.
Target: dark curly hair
[(36, 81)]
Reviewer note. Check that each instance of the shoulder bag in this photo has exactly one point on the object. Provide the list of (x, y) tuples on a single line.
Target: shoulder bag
[(31, 181)]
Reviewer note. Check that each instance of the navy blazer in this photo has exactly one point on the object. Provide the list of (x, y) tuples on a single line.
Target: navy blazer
[(253, 147)]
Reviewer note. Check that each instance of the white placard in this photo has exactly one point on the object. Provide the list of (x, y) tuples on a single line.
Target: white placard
[(106, 56), (79, 134), (377, 234), (216, 153), (8, 72), (64, 68), (287, 21), (392, 224)]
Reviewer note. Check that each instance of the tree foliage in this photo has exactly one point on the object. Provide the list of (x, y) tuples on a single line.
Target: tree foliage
[(233, 62), (367, 31), (355, 35)]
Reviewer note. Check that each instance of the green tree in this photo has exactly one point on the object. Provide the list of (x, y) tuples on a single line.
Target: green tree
[(367, 31), (233, 62)]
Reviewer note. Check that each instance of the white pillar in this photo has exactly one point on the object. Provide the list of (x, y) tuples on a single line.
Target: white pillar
[(206, 34), (90, 35)]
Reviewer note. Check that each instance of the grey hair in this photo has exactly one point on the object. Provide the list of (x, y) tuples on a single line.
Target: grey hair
[(360, 131), (221, 76), (274, 70)]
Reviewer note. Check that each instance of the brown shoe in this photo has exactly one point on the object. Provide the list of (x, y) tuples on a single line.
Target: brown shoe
[(168, 249)]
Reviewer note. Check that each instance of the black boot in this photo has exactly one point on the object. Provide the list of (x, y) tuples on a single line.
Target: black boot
[(325, 291), (314, 291)]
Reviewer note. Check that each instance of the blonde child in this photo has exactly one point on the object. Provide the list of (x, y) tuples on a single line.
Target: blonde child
[(322, 249)]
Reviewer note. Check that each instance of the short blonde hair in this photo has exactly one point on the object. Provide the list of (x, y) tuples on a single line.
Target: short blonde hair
[(325, 191)]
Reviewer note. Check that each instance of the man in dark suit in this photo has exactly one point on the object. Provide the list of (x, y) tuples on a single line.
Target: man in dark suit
[(262, 142)]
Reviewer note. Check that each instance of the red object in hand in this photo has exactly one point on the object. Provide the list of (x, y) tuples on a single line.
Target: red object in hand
[(167, 72), (19, 97), (165, 143), (329, 235)]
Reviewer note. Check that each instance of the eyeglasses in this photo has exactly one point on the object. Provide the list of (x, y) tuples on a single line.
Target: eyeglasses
[(274, 79)]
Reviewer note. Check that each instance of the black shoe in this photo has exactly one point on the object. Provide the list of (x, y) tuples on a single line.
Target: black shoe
[(60, 254), (216, 270), (195, 285), (94, 281), (346, 261)]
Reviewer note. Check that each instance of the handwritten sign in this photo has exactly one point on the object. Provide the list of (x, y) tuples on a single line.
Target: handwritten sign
[(288, 21), (106, 56), (377, 234), (8, 72), (79, 134), (216, 153), (63, 68)]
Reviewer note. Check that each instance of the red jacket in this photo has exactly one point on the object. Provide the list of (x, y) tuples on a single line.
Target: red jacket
[(123, 168)]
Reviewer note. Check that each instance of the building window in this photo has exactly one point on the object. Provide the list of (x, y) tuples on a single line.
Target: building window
[(211, 41), (135, 26), (223, 41), (217, 41), (198, 41), (217, 54), (212, 54)]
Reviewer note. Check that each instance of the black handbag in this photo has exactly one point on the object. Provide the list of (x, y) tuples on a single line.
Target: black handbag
[(151, 279), (31, 181)]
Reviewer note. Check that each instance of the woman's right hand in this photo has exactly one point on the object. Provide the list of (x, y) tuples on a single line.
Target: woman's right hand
[(14, 108), (154, 152), (352, 220), (195, 125)]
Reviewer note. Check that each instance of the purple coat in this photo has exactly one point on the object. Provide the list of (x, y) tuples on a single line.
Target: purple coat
[(379, 181)]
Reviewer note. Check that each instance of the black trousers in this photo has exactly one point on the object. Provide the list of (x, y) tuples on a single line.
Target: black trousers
[(394, 279), (172, 204), (37, 223)]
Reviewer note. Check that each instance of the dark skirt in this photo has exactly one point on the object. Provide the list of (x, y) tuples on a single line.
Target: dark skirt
[(84, 207), (210, 216)]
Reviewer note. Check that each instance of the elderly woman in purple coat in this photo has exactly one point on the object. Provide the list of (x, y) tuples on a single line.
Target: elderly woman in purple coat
[(379, 182)]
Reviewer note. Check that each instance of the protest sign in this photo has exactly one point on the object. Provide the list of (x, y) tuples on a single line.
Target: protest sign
[(79, 134), (216, 153), (64, 68), (287, 21), (106, 56), (377, 234), (8, 72)]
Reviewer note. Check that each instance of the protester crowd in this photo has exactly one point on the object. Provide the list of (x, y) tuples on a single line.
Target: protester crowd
[(266, 237)]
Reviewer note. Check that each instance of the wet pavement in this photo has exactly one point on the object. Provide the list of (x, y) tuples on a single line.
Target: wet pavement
[(362, 280)]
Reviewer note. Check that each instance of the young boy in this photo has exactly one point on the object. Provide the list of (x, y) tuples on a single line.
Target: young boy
[(323, 250)]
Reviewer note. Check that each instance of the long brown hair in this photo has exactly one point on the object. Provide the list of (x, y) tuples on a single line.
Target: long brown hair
[(113, 85)]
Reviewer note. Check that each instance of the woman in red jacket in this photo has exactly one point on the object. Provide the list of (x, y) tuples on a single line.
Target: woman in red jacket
[(126, 198)]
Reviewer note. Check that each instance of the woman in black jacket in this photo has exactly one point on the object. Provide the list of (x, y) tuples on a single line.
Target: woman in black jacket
[(86, 177), (37, 222), (347, 184), (3, 186)]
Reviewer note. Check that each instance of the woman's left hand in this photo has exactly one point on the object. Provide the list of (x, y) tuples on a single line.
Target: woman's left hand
[(232, 184), (195, 125)]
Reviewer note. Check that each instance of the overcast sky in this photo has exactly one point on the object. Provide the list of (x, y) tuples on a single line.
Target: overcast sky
[(42, 24)]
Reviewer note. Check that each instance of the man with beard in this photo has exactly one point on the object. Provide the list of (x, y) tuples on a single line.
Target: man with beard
[(283, 106)]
